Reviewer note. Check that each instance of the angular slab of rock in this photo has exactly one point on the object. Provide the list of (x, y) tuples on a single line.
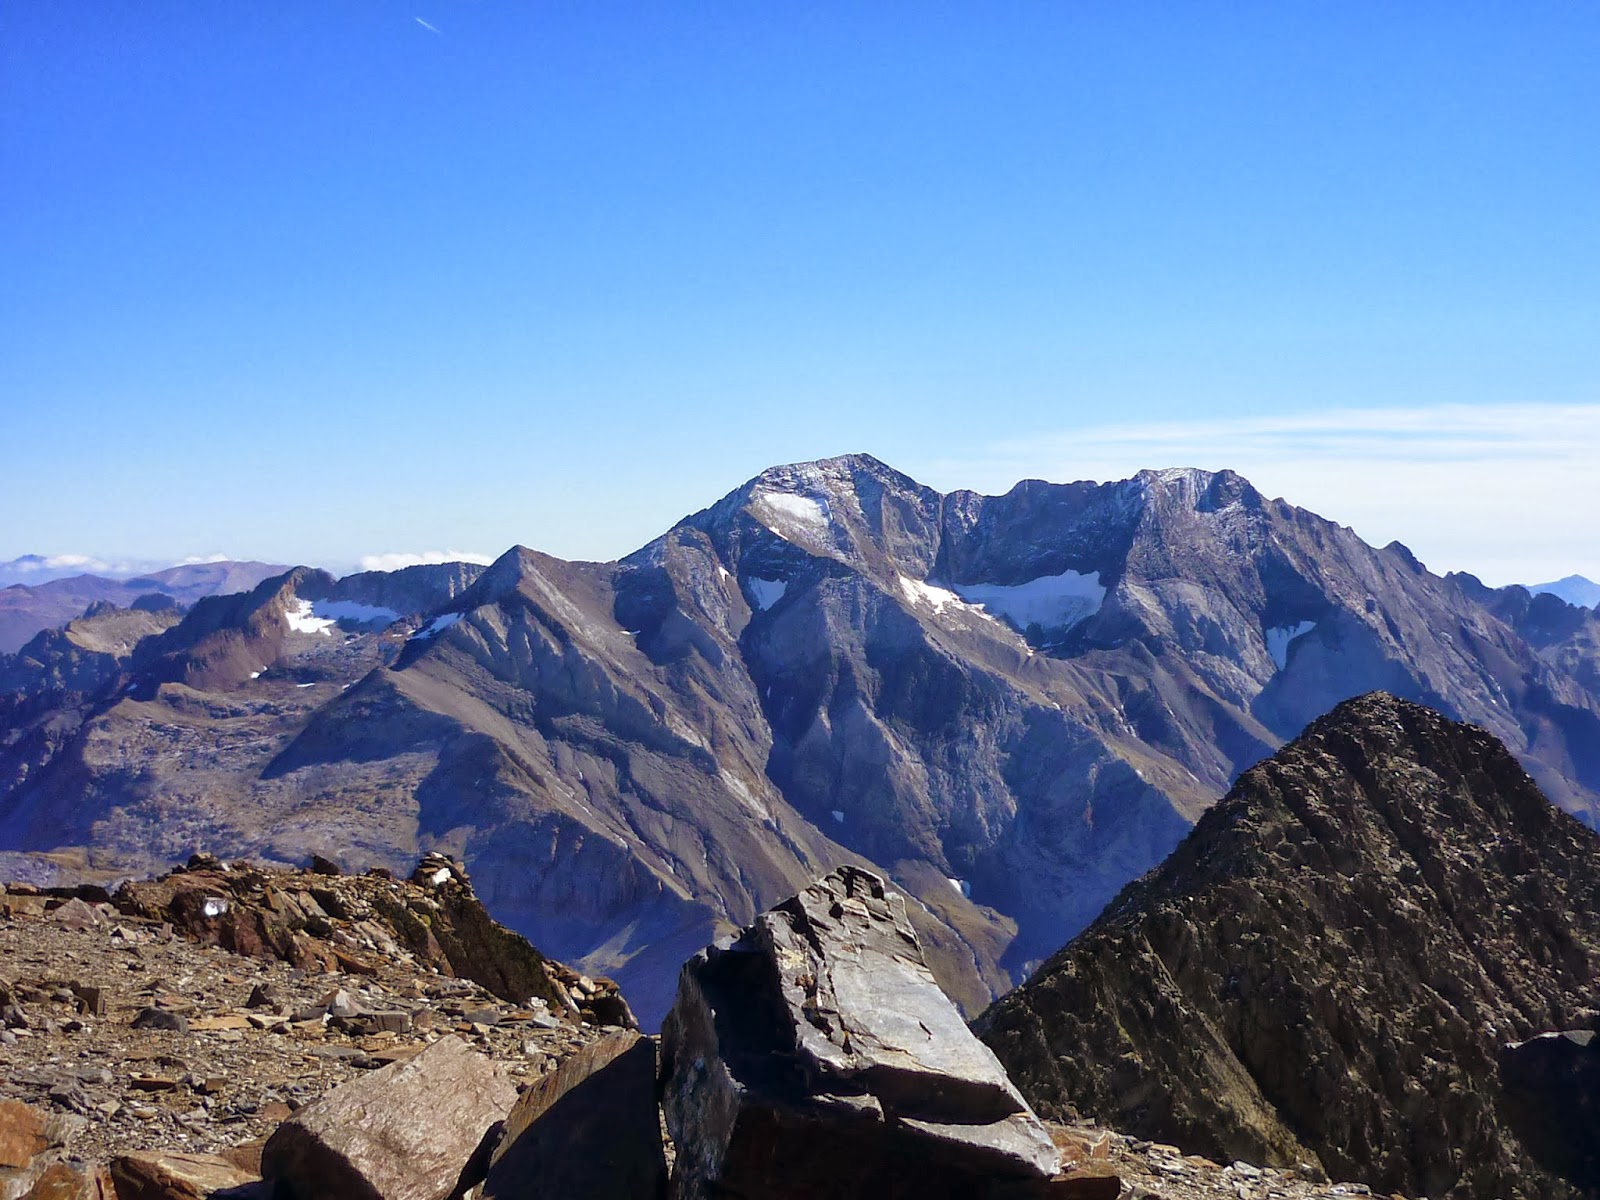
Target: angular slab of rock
[(816, 1057), (30, 1144), (176, 1176), (404, 1132), (589, 1128)]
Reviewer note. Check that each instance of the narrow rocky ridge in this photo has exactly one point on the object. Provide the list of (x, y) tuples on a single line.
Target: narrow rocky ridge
[(1328, 968)]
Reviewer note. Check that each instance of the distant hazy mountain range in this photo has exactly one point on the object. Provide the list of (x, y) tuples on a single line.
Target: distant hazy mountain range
[(51, 598), (1574, 589), (1012, 705)]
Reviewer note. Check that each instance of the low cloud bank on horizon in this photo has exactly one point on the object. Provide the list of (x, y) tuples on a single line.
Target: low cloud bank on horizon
[(1506, 492), (396, 560)]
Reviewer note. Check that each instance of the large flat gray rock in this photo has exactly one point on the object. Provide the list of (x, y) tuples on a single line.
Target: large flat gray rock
[(404, 1132), (817, 1057)]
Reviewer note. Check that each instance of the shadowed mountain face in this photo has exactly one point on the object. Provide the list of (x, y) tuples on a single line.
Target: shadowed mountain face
[(1330, 965), (1011, 705)]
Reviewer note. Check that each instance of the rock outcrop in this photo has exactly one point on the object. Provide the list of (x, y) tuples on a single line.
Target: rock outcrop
[(1326, 970), (816, 1057), (324, 922)]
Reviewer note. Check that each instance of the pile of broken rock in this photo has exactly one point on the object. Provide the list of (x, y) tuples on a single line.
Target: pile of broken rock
[(813, 1057)]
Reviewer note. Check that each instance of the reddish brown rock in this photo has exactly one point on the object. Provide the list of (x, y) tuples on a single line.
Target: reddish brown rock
[(404, 1132), (22, 1134), (175, 1176), (61, 1182), (29, 1146)]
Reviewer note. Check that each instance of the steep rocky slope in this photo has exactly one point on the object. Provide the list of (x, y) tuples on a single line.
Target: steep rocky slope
[(1330, 964), (1011, 705)]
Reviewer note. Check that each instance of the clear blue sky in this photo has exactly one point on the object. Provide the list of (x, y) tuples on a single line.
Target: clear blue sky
[(307, 281)]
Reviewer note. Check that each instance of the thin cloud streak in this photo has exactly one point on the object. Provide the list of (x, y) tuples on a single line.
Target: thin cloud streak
[(429, 27), (1506, 492)]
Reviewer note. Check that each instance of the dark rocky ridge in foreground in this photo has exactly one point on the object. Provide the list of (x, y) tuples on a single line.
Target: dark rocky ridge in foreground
[(1331, 963)]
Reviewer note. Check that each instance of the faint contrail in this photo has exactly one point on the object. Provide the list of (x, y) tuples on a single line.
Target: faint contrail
[(428, 27)]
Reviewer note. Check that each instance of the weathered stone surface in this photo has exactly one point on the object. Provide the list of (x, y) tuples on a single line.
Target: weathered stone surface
[(405, 1132), (176, 1176), (589, 1128), (1324, 971), (816, 1057), (22, 1134), (61, 1182), (29, 1144)]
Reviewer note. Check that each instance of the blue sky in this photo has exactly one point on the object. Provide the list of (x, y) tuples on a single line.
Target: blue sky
[(313, 281)]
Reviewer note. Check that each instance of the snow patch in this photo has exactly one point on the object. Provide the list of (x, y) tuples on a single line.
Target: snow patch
[(349, 610), (302, 619), (1050, 601), (436, 626), (1279, 637), (214, 906), (764, 593), (788, 515), (255, 674), (962, 886), (921, 592), (305, 685)]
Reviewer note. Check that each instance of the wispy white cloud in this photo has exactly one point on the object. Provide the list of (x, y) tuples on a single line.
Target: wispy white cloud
[(431, 28), (1508, 492), (395, 561)]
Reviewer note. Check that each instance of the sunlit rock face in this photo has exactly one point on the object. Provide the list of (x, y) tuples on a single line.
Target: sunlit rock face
[(1009, 705)]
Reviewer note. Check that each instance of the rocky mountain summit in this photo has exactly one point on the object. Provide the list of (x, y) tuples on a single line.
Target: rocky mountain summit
[(1338, 967), (1008, 705)]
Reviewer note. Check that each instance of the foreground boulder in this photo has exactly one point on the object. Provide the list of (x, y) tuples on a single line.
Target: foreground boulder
[(816, 1057), (589, 1128), (176, 1176), (406, 1132)]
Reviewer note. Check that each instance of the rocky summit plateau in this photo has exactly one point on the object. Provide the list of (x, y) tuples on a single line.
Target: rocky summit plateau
[(235, 1032), (1008, 706)]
